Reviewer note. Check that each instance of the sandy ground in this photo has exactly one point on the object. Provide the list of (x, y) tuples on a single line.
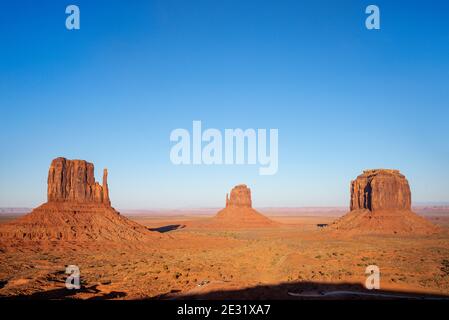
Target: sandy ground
[(294, 258)]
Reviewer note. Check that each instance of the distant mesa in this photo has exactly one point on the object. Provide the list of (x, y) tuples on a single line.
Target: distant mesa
[(239, 213), (240, 197), (78, 208), (381, 204)]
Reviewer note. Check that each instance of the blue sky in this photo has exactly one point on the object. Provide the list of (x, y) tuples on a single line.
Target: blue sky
[(343, 98)]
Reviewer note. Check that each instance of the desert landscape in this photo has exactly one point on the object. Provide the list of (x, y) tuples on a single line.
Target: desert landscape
[(236, 252), (260, 151)]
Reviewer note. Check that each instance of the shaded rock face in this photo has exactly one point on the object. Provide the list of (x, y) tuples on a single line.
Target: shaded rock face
[(240, 197), (74, 181), (380, 189), (381, 204)]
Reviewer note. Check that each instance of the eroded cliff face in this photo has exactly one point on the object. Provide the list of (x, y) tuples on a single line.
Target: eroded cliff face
[(74, 181), (239, 213), (240, 197), (381, 204), (78, 208), (380, 189)]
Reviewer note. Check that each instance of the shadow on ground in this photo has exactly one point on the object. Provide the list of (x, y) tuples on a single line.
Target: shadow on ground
[(302, 291), (64, 293), (282, 291), (168, 228)]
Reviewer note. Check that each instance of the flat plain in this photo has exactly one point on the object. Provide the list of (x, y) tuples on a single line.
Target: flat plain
[(294, 260)]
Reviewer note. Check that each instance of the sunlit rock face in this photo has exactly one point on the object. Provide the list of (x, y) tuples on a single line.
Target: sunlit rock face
[(240, 197), (74, 181)]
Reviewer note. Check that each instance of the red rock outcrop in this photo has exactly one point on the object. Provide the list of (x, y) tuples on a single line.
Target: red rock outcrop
[(78, 208), (240, 197), (239, 213), (380, 190), (381, 204), (74, 181), (73, 222)]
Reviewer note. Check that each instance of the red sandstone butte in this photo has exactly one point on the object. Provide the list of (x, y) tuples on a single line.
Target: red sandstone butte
[(78, 208), (239, 213), (381, 204), (380, 190), (240, 197), (74, 181)]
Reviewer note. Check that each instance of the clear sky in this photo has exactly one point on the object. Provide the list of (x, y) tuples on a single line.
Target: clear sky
[(343, 98)]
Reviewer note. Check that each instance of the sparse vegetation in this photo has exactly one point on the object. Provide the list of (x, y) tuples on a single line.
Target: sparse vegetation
[(445, 267), (296, 257)]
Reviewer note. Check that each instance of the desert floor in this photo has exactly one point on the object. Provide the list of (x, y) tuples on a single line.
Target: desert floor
[(189, 261)]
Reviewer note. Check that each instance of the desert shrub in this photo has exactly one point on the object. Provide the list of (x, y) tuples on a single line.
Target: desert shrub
[(445, 267)]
